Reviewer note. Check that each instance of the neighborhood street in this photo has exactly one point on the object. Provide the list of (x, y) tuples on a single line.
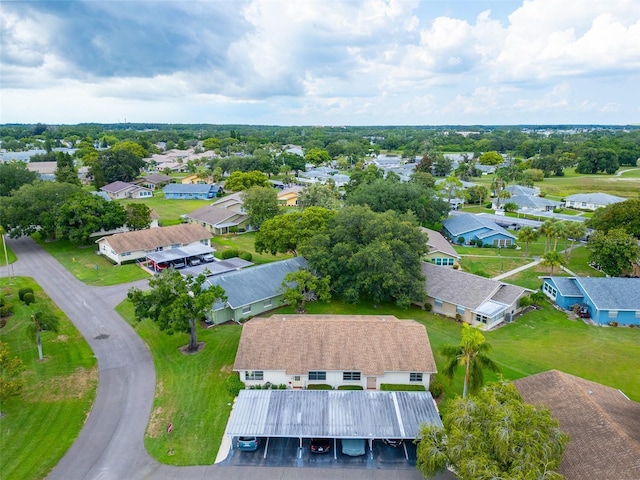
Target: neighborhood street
[(110, 446)]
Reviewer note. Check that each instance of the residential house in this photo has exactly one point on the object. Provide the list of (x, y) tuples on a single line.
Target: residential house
[(529, 204), (231, 202), (473, 227), (602, 423), (154, 180), (289, 196), (192, 180), (440, 250), (135, 245), (218, 220), (252, 291), (118, 190), (515, 190), (355, 350), (591, 201), (179, 191), (476, 300), (606, 300)]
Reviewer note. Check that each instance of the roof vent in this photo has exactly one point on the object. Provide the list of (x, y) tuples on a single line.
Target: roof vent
[(590, 392)]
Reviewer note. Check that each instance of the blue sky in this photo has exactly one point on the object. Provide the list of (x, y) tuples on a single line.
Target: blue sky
[(327, 62)]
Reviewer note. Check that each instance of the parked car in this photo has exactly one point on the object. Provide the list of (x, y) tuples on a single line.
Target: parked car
[(161, 266), (193, 261), (354, 447), (207, 258), (320, 445), (393, 442), (178, 264), (248, 444)]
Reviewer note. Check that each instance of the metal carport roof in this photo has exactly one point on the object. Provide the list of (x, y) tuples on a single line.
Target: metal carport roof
[(179, 253), (332, 414)]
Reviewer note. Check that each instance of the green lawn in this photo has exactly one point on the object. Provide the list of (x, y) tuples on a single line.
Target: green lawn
[(87, 266), (9, 255), (42, 423), (244, 242), (192, 394), (491, 266), (169, 211)]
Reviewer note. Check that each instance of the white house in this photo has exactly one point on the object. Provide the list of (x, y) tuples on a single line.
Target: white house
[(128, 246), (337, 350), (591, 201)]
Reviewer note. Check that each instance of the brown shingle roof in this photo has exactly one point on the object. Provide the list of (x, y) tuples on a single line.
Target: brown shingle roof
[(368, 344), (151, 238), (604, 425), (211, 215)]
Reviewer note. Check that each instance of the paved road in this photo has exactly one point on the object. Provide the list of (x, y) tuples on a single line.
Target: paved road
[(110, 446)]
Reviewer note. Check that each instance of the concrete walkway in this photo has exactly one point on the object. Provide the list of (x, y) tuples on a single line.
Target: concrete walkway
[(516, 270), (110, 445)]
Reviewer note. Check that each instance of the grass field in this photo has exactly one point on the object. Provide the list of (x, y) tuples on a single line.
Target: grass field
[(42, 423), (192, 394), (244, 242), (87, 266), (169, 211)]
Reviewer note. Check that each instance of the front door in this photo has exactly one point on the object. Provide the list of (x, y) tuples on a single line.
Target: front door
[(372, 383), (297, 381)]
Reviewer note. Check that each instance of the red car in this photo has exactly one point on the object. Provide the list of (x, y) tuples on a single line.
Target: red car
[(320, 445)]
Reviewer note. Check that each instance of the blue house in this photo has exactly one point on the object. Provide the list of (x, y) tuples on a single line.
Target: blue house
[(606, 300), (178, 191), (474, 227)]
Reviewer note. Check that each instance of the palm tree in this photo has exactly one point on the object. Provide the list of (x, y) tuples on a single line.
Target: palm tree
[(553, 259), (527, 235), (41, 320), (471, 353), (547, 229), (575, 231), (557, 231)]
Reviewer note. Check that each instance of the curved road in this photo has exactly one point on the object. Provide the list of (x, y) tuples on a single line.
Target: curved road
[(110, 445)]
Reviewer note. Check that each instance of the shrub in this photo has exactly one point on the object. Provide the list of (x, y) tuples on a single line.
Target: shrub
[(23, 291), (460, 240), (428, 307), (234, 384), (319, 386), (525, 302), (1, 302), (29, 298), (350, 387), (456, 266), (233, 229), (6, 311), (479, 243), (246, 256), (435, 387), (400, 387), (229, 253)]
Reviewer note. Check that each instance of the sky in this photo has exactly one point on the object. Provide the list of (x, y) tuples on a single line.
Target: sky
[(326, 62)]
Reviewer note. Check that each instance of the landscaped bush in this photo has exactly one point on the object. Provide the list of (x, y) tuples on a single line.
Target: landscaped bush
[(29, 298), (234, 384), (479, 243), (229, 253), (246, 256), (6, 311), (23, 291), (460, 240), (436, 387), (525, 302), (233, 229), (319, 386), (428, 307), (399, 387), (350, 387)]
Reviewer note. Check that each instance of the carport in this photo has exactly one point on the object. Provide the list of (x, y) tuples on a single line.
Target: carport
[(333, 414), (180, 253)]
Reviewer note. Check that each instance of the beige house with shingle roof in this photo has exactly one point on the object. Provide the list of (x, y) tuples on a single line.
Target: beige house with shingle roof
[(355, 350), (440, 250), (479, 301), (128, 246), (604, 425)]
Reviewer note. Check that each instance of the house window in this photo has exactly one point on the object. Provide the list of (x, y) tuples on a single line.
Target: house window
[(637, 314), (550, 290), (351, 376), (125, 254), (482, 318), (266, 303), (415, 377), (460, 310), (254, 375), (317, 375), (246, 309), (175, 245), (159, 249), (613, 314), (438, 303)]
